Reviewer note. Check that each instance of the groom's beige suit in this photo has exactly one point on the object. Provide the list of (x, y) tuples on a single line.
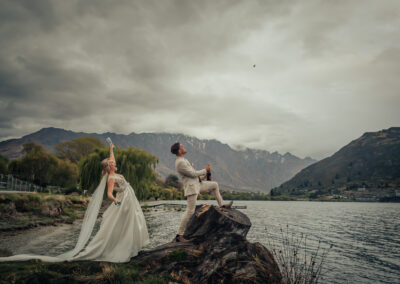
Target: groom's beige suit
[(192, 187), (189, 176)]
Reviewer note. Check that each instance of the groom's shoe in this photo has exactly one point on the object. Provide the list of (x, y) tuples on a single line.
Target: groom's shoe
[(180, 239), (228, 206)]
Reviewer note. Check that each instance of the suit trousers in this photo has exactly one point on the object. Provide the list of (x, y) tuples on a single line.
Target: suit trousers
[(205, 186)]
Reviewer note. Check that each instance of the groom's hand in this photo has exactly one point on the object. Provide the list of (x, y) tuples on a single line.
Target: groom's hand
[(208, 168)]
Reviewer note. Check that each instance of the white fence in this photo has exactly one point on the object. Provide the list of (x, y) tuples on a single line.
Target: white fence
[(8, 182)]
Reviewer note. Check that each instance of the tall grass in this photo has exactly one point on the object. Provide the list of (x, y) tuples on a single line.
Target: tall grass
[(298, 263)]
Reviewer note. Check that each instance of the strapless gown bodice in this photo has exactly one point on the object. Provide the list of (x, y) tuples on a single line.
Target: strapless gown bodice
[(121, 181)]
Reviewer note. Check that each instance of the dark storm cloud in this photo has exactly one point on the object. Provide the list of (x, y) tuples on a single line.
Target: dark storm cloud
[(323, 69)]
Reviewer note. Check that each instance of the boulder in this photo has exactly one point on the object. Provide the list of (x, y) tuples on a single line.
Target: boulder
[(217, 252)]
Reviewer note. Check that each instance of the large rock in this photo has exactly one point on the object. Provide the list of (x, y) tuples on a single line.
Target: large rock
[(218, 252)]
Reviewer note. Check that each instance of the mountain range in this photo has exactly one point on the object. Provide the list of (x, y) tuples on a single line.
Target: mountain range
[(241, 170), (371, 161)]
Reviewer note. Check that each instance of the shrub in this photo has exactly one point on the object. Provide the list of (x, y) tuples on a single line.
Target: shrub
[(297, 262)]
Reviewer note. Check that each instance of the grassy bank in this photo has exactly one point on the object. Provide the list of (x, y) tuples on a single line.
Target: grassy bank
[(36, 271), (20, 211)]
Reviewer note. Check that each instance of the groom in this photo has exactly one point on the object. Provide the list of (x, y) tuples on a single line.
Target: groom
[(192, 186)]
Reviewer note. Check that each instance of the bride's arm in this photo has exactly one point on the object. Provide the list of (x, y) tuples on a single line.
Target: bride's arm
[(110, 187), (112, 152)]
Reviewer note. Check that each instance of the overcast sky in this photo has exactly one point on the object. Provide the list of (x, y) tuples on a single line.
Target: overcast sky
[(325, 71)]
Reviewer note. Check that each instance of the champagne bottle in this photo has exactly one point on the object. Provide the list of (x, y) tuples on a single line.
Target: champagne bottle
[(109, 142), (208, 175)]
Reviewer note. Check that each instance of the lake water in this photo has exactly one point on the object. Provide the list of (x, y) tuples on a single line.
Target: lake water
[(365, 236)]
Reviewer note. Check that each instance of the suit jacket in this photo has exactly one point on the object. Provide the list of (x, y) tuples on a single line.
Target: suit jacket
[(189, 176)]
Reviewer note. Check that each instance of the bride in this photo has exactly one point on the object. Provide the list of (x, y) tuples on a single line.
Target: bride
[(122, 232)]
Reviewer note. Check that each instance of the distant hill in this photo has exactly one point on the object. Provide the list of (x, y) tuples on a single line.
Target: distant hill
[(247, 170), (371, 161)]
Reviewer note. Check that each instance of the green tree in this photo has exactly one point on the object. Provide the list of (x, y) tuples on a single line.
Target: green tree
[(172, 181), (32, 148), (3, 165), (77, 148), (136, 165), (65, 174), (43, 168)]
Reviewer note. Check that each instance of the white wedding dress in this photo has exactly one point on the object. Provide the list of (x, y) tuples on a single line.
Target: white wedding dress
[(122, 232)]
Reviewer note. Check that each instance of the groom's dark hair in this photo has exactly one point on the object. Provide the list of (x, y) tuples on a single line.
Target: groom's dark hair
[(175, 148)]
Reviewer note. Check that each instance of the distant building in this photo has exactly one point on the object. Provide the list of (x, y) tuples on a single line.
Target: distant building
[(361, 189), (338, 196), (397, 193)]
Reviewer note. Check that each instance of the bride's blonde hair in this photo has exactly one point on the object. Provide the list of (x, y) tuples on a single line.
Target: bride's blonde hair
[(105, 166)]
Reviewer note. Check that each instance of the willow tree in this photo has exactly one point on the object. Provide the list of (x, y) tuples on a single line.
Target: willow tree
[(136, 165)]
